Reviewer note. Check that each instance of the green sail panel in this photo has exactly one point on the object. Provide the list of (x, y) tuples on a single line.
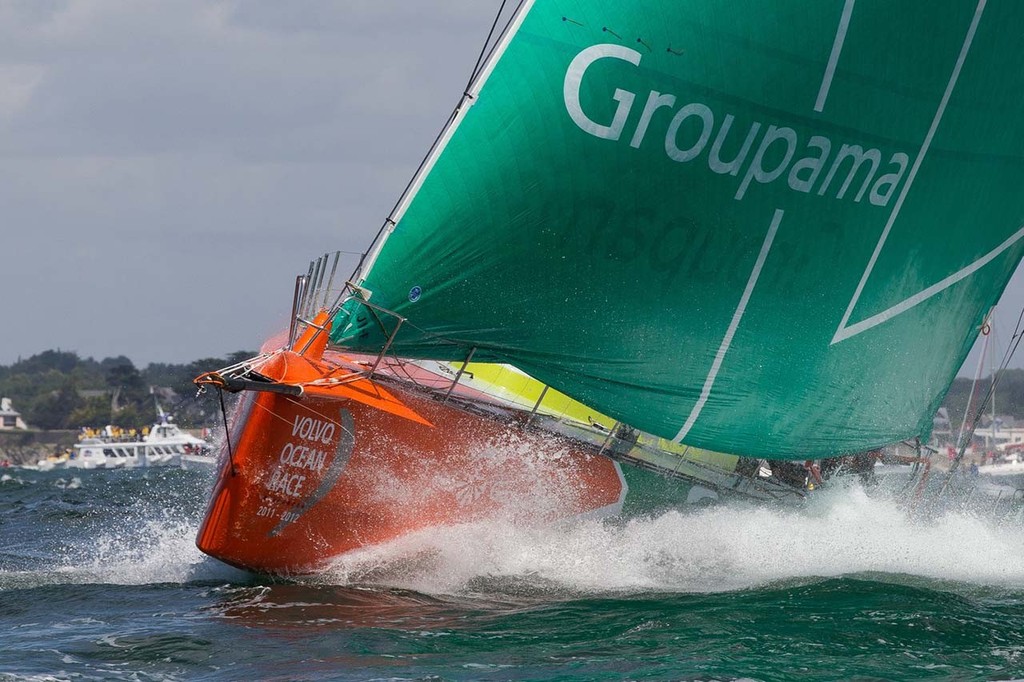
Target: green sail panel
[(770, 229)]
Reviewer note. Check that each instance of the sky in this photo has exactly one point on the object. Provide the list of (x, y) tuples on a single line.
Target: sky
[(168, 167)]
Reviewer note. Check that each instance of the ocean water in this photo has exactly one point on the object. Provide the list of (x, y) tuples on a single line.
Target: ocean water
[(100, 580)]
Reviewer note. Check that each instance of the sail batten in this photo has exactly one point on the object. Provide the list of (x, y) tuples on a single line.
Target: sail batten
[(598, 217)]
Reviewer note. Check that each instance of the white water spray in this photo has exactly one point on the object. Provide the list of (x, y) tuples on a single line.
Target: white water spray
[(727, 547)]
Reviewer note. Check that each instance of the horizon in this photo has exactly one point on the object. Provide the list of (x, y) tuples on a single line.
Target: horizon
[(970, 364), (203, 158)]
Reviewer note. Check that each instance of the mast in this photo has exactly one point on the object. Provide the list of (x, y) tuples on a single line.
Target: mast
[(992, 371)]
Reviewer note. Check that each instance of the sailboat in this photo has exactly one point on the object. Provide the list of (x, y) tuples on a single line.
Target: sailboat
[(995, 458), (771, 232)]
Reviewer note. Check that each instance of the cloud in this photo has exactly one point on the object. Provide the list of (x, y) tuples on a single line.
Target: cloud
[(18, 83), (167, 167)]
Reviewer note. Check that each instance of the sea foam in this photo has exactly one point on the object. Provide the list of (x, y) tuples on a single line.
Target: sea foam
[(839, 532)]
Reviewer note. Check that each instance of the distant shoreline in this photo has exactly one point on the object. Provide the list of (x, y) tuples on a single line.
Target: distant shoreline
[(29, 446)]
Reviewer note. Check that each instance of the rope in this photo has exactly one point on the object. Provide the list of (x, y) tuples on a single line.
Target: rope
[(227, 432), (451, 118), (1011, 348), (483, 50), (971, 393), (214, 379)]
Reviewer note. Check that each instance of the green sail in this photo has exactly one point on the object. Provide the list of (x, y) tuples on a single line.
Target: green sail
[(771, 229)]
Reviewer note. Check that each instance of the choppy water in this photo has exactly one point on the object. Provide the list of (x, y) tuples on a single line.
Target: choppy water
[(99, 579)]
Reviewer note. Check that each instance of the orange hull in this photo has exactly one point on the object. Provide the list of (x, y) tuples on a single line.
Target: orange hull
[(311, 478)]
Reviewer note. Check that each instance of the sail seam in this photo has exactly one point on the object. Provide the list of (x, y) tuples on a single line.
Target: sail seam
[(833, 59), (843, 332), (709, 382), (925, 294)]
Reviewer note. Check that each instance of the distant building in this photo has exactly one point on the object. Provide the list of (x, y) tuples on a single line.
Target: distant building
[(1002, 433), (9, 418), (942, 431), (93, 393)]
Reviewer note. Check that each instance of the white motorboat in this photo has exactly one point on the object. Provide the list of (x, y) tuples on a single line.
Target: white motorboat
[(1005, 466), (165, 445)]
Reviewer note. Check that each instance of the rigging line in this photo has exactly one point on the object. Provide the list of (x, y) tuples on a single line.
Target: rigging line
[(1011, 348), (1003, 365), (423, 163), (429, 336), (403, 365), (483, 49), (318, 413), (408, 186), (303, 405), (1007, 356), (275, 415), (400, 366), (396, 366), (970, 394), (227, 432), (253, 364), (482, 66), (380, 322), (441, 138), (286, 420)]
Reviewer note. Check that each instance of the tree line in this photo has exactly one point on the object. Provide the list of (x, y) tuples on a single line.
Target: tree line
[(1009, 397), (58, 389)]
